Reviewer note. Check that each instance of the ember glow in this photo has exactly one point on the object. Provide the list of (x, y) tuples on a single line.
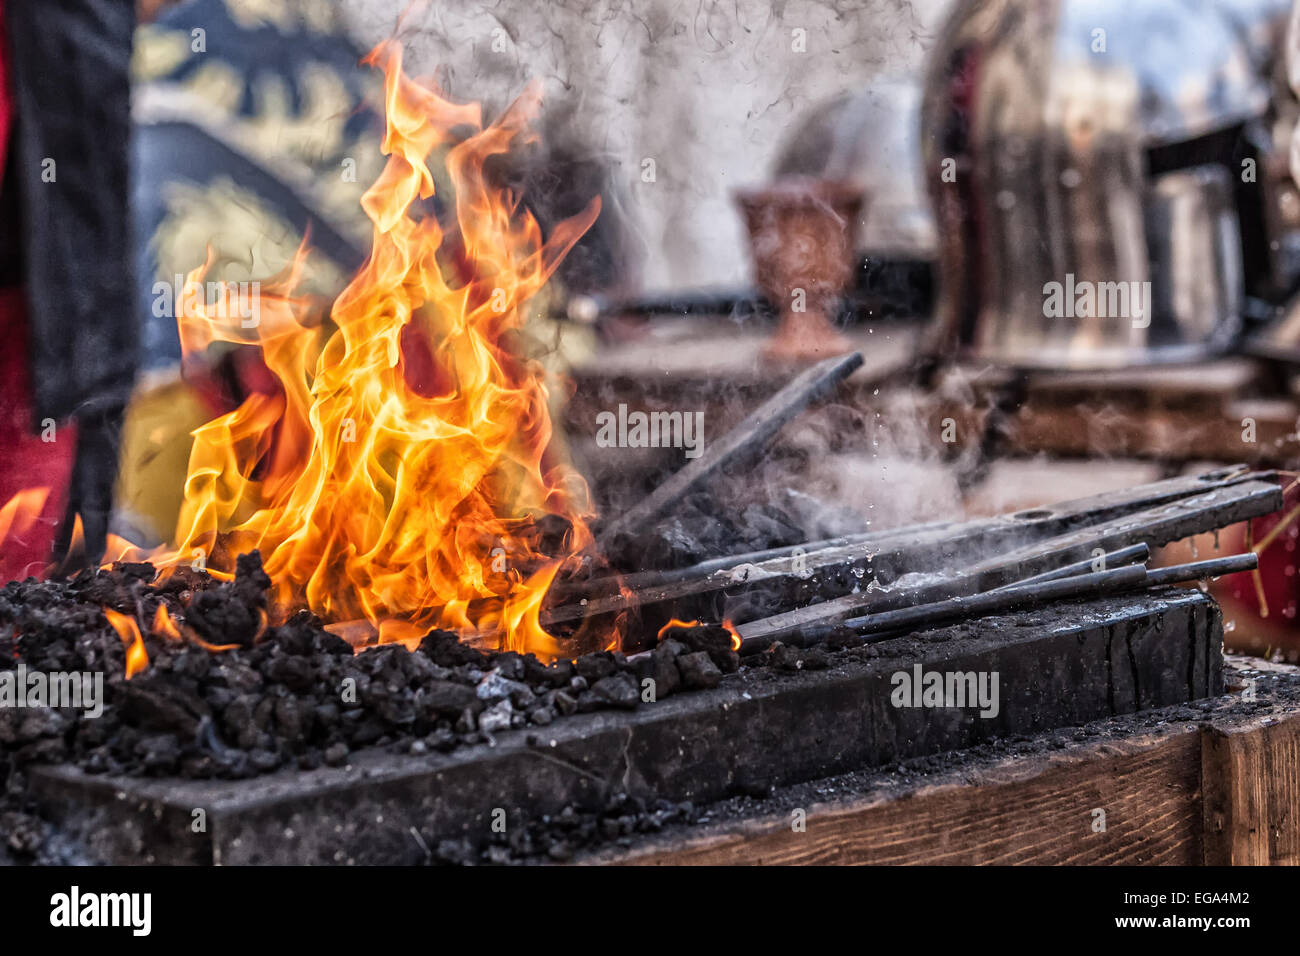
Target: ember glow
[(397, 476)]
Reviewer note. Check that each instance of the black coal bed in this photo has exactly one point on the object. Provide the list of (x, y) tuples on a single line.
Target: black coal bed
[(607, 777)]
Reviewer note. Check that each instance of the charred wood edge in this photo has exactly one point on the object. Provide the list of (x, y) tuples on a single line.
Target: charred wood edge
[(1154, 526), (824, 569), (747, 438), (925, 616)]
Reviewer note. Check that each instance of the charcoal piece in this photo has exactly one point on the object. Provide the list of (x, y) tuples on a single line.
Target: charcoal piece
[(336, 754), (663, 668), (554, 675), (448, 697), (617, 690), (496, 686), (510, 664), (496, 718), (297, 635), (446, 649), (714, 640), (396, 708), (789, 658), (698, 670), (541, 716), (152, 703), (592, 667), (294, 672), (235, 675), (233, 613)]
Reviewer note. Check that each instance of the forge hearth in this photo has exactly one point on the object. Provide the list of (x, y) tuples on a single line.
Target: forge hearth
[(807, 714)]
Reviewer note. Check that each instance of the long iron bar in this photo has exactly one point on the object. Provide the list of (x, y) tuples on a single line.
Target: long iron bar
[(1018, 595)]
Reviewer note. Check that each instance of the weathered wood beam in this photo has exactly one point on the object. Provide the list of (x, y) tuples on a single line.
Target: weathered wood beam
[(1219, 789)]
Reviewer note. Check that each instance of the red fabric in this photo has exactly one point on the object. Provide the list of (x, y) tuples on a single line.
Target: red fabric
[(26, 461)]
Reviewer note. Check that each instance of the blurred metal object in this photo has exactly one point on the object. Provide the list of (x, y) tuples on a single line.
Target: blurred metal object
[(1085, 162), (871, 139)]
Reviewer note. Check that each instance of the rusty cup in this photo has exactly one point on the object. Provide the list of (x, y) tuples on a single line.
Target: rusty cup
[(802, 240)]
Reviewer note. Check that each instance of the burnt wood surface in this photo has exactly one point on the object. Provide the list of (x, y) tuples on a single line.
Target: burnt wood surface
[(1056, 666)]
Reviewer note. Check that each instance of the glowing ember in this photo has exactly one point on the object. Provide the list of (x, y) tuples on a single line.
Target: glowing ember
[(137, 659)]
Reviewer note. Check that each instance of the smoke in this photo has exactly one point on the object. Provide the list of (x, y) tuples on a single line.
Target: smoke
[(678, 103)]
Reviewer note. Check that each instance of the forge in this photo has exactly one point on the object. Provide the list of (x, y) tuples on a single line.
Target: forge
[(808, 716), (291, 748)]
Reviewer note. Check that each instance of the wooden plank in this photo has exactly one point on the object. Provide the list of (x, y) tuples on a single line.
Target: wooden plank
[(1217, 796), (1149, 794), (1252, 795), (749, 437)]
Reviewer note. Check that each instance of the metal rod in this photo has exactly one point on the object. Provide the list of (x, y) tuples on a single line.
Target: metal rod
[(1137, 553), (1155, 526), (1199, 570), (1016, 595), (885, 624)]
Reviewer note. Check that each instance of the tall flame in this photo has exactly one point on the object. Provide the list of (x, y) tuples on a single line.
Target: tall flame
[(396, 474)]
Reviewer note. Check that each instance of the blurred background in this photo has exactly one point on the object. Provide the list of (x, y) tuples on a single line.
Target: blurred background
[(1065, 235)]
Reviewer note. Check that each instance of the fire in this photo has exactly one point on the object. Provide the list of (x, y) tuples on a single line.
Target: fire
[(397, 474), (137, 658), (396, 477)]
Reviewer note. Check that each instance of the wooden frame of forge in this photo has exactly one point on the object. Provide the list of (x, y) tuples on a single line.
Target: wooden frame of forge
[(1224, 791)]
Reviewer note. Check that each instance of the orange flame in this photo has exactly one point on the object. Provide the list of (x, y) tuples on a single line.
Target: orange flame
[(405, 451), (137, 658), (20, 512), (163, 624)]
